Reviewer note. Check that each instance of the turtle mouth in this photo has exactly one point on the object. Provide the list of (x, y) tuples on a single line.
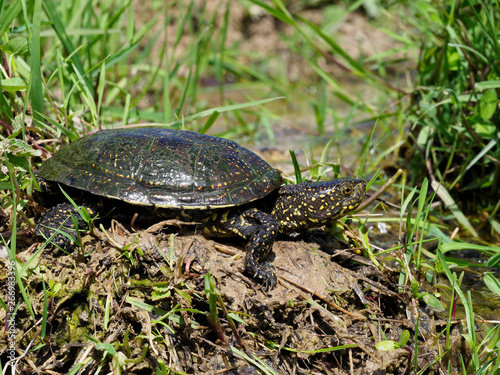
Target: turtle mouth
[(339, 200), (360, 191), (353, 193), (358, 195)]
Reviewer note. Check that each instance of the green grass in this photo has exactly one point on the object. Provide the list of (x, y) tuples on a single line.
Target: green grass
[(70, 68), (454, 113)]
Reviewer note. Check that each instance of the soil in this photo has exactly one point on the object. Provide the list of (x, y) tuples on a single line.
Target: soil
[(153, 292)]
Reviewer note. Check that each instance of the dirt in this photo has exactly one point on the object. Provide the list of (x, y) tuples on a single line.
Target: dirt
[(150, 288)]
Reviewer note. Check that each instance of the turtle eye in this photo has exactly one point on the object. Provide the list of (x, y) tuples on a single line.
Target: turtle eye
[(346, 190)]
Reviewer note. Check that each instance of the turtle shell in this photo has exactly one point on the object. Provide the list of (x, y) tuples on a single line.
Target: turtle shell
[(163, 168)]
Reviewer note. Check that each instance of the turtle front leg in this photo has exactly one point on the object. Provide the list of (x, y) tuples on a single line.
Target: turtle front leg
[(261, 230), (58, 222)]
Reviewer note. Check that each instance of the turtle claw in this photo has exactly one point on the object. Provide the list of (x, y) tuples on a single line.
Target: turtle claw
[(266, 275)]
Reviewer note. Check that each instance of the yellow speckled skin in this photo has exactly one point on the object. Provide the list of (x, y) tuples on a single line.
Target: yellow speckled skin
[(311, 205), (193, 177), (294, 208)]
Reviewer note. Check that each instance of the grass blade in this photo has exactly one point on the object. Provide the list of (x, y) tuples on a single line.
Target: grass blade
[(9, 15), (54, 17), (453, 207), (36, 70)]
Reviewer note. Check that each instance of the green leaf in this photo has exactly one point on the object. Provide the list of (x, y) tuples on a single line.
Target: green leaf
[(105, 347), (16, 46), (484, 85), (405, 336), (210, 122), (18, 125), (157, 295), (254, 360), (458, 245), (36, 85), (296, 167), (494, 260), (492, 283), (433, 302), (485, 130), (453, 60), (237, 318), (17, 147), (161, 290), (12, 85), (453, 207), (495, 225), (184, 295), (387, 345), (9, 14), (414, 287), (488, 105)]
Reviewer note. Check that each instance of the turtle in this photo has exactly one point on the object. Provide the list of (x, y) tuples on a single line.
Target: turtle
[(225, 188)]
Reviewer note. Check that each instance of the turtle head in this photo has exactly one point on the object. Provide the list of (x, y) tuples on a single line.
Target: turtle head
[(313, 204)]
